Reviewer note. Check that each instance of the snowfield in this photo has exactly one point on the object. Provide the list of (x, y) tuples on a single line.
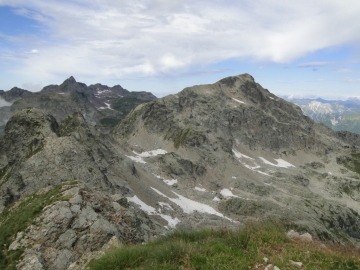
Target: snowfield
[(139, 157), (189, 206), (280, 163), (152, 211), (239, 101)]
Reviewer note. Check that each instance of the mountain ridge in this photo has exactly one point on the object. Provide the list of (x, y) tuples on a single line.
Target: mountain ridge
[(98, 103), (336, 114), (216, 155)]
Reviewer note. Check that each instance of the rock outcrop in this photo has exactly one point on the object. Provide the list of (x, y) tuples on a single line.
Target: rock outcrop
[(37, 152), (81, 222)]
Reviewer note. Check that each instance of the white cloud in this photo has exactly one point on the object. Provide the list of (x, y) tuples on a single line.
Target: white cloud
[(117, 39), (351, 80), (3, 102), (344, 70), (317, 64), (32, 87)]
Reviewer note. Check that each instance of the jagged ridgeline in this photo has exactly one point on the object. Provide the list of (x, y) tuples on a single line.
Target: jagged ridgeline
[(98, 103), (210, 156)]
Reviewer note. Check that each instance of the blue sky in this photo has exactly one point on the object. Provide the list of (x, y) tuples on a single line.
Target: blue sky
[(305, 48)]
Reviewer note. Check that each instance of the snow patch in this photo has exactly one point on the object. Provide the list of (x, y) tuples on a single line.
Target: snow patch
[(107, 107), (100, 92), (253, 168), (280, 163), (216, 199), (166, 205), (189, 206), (263, 173), (152, 153), (239, 155), (200, 189), (137, 159), (143, 206), (239, 101), (152, 211), (227, 193), (171, 221), (170, 182)]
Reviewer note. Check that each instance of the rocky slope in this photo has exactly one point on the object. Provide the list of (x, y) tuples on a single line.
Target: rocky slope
[(14, 94), (210, 156), (97, 103), (253, 153)]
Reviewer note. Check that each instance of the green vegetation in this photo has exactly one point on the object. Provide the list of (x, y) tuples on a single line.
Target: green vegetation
[(109, 121), (180, 137), (351, 163), (3, 171), (34, 147), (224, 249), (186, 136), (18, 217), (126, 104)]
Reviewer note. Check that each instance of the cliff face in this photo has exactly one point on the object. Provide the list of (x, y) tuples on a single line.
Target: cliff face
[(37, 152)]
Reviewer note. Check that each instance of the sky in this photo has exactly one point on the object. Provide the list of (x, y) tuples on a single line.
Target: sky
[(308, 48)]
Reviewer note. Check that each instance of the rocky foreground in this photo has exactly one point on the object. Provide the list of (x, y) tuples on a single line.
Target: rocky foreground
[(210, 156)]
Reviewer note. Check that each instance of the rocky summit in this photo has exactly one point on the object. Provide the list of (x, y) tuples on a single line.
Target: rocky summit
[(98, 103), (211, 156)]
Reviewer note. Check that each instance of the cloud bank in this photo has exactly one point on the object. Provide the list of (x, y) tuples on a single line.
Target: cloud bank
[(130, 39), (4, 103)]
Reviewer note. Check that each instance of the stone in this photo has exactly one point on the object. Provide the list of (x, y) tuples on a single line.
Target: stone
[(298, 264)]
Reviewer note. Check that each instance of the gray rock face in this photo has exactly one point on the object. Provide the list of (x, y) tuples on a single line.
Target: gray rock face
[(231, 129), (235, 108), (36, 152), (14, 94), (85, 222)]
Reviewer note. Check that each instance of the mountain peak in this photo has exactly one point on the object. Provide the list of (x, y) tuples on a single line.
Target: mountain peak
[(234, 81), (71, 79)]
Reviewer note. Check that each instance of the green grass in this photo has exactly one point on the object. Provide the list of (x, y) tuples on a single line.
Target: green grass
[(224, 249), (351, 163), (18, 217)]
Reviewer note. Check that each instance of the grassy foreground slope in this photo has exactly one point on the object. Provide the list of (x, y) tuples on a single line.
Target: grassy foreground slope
[(224, 249)]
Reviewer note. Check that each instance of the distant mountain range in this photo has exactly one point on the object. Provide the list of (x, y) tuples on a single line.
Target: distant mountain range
[(100, 104), (337, 114)]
